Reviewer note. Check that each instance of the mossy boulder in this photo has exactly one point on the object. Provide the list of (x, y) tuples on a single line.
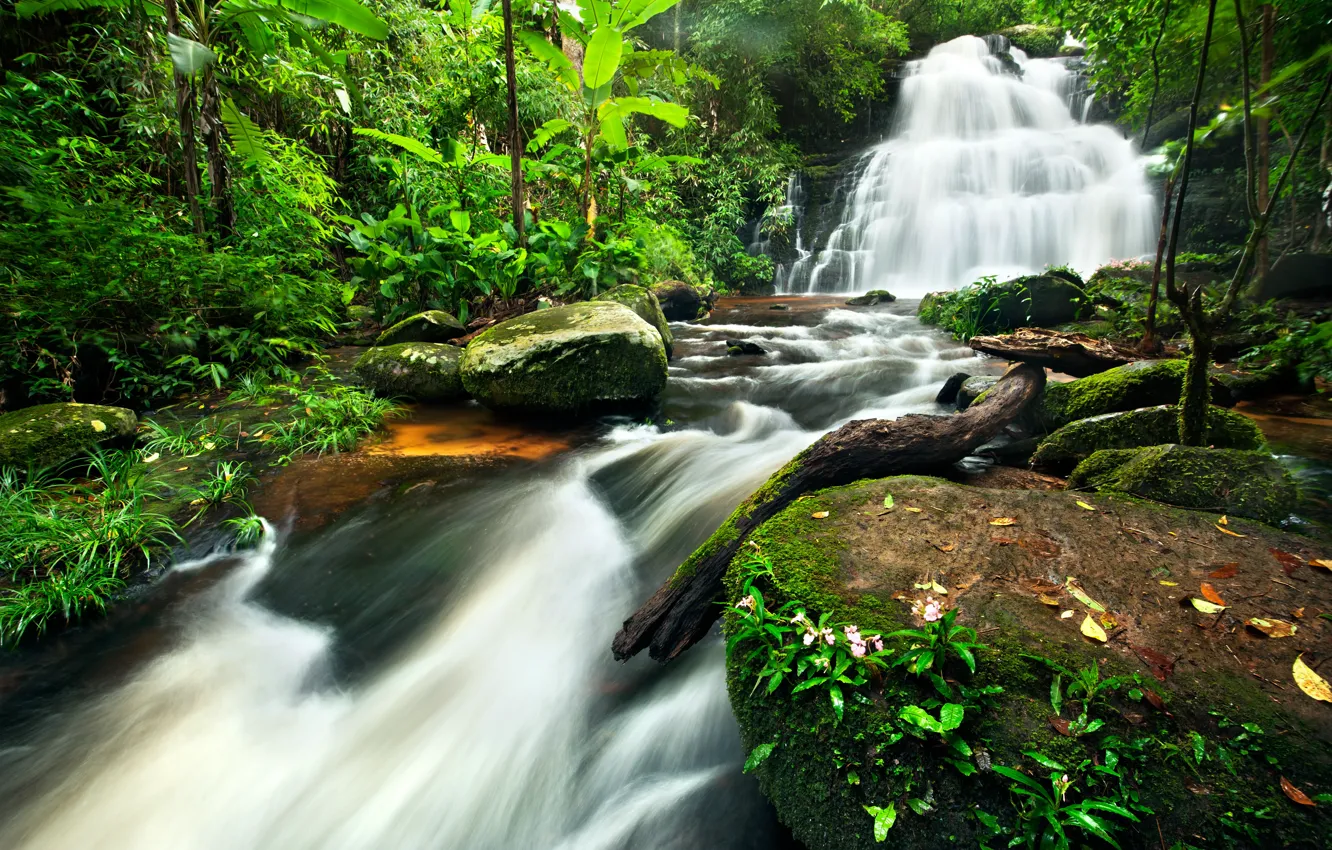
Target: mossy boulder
[(1224, 481), (1145, 383), (1045, 301), (872, 298), (645, 305), (425, 371), (50, 434), (580, 357), (430, 326), (1148, 426), (681, 302), (1038, 42), (861, 564)]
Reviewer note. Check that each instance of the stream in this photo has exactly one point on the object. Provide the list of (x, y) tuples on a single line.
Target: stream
[(435, 673)]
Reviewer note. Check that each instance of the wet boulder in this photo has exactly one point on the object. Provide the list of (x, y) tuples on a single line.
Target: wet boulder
[(681, 302), (973, 388), (430, 326), (645, 305), (822, 758), (576, 358), (1041, 301), (1146, 383), (50, 434), (1148, 426), (425, 371), (948, 392), (738, 347), (872, 298), (1223, 481), (1038, 42)]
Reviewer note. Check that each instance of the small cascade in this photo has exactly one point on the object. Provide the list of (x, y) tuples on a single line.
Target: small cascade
[(991, 169)]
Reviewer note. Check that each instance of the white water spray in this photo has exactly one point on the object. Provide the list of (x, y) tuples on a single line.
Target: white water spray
[(987, 172)]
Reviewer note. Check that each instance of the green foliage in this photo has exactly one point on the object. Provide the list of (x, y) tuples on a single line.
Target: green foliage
[(964, 312), (226, 484), (249, 529), (1302, 345), (934, 644), (1047, 816), (335, 419)]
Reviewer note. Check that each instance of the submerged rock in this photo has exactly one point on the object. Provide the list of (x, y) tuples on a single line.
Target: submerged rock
[(681, 302), (871, 298), (1224, 481), (737, 347), (430, 326), (1149, 426), (645, 305), (948, 392), (567, 359), (839, 553), (425, 371), (50, 434)]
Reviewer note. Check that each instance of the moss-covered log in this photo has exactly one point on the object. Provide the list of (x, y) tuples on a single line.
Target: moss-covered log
[(684, 608)]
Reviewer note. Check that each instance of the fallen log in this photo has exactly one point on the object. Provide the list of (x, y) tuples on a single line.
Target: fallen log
[(682, 610), (1073, 354)]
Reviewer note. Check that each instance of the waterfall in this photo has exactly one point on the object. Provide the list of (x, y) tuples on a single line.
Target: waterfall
[(990, 168)]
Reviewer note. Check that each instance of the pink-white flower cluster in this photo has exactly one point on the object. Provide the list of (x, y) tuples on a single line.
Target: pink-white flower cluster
[(861, 645), (747, 604), (928, 610)]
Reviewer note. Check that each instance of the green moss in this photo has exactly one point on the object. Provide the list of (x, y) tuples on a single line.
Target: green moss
[(645, 305), (1149, 426), (430, 326), (1038, 42), (1142, 384), (50, 434), (426, 371), (1228, 481)]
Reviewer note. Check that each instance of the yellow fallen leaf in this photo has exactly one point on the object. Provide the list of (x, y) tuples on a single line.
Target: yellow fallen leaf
[(1081, 596), (152, 458), (1003, 520), (1206, 607), (1091, 629), (1271, 628), (1223, 521), (1065, 615), (819, 515), (913, 510), (1310, 682), (182, 469), (1108, 621), (1170, 583), (98, 425), (1048, 600), (932, 586), (1321, 562), (1231, 533), (1085, 506)]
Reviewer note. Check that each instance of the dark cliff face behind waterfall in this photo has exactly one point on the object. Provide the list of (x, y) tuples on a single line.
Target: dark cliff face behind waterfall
[(987, 172), (436, 674)]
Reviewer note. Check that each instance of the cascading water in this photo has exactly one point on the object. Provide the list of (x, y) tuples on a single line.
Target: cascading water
[(987, 172), (261, 715)]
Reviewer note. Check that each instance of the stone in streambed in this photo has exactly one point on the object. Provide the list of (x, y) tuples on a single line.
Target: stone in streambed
[(871, 298), (50, 434), (738, 347), (576, 358), (430, 326), (645, 305), (1146, 383), (425, 371), (1148, 426), (1224, 481), (681, 302), (948, 392)]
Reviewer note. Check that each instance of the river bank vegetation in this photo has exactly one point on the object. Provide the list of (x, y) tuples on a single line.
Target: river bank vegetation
[(508, 202)]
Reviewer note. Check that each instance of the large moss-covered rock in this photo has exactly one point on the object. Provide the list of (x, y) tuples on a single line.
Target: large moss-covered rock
[(1044, 301), (50, 434), (1142, 384), (425, 371), (430, 326), (1038, 42), (872, 298), (645, 305), (1226, 481), (567, 359), (861, 564), (1148, 426)]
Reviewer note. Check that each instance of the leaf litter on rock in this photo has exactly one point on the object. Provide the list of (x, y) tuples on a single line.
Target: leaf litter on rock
[(1289, 563), (1271, 628), (1003, 520), (1295, 794), (1314, 685), (1224, 571), (1093, 630), (1206, 607), (1209, 593)]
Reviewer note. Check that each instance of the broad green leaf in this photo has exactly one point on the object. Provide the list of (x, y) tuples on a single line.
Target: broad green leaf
[(672, 113), (884, 818), (1044, 760), (347, 14), (38, 8), (835, 696), (246, 138), (594, 13), (612, 129), (758, 755), (546, 132), (950, 716), (188, 56), (1091, 824), (461, 221), (888, 501), (918, 716), (412, 146), (640, 12), (602, 58), (553, 57)]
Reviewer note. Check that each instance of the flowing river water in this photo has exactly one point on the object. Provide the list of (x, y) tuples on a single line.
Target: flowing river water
[(435, 672)]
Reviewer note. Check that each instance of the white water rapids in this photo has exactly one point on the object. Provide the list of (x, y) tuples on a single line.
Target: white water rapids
[(985, 173), (501, 723)]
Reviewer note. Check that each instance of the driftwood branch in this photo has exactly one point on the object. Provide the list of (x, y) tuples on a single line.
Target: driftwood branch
[(1073, 354), (683, 609)]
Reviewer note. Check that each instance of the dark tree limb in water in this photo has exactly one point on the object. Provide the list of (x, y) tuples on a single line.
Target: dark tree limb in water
[(1073, 354), (683, 609)]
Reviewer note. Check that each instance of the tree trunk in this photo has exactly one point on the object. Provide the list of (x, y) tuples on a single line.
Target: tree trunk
[(185, 120), (683, 609), (1073, 354), (1197, 395), (1156, 74), (515, 130), (1263, 126), (219, 177), (1149, 342)]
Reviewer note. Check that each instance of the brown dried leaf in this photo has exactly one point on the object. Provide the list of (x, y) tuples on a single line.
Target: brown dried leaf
[(1061, 726), (947, 547), (1295, 794), (1271, 628), (1045, 587), (1002, 541), (1003, 520), (1298, 613), (1209, 593), (1224, 571), (1289, 563), (1155, 699)]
